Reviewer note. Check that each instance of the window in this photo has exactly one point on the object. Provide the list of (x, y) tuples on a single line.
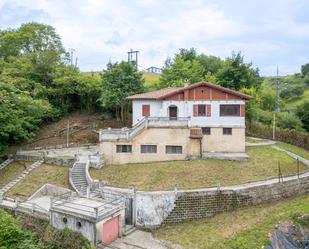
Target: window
[(227, 131), (230, 110), (201, 110), (146, 110), (65, 220), (206, 130), (124, 148), (148, 149), (78, 225), (170, 149)]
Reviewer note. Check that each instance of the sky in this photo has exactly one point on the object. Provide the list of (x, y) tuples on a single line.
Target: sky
[(269, 33)]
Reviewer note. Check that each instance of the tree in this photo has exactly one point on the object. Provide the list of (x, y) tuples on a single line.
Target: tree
[(211, 64), (305, 69), (233, 73), (119, 81), (176, 72), (302, 111), (237, 74)]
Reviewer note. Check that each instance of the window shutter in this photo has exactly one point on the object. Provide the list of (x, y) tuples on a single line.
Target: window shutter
[(242, 110), (146, 110), (195, 110), (208, 110)]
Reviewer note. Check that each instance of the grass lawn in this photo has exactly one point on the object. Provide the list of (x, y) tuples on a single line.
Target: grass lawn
[(57, 175), (298, 101), (199, 173), (151, 79), (244, 228), (294, 149), (12, 171)]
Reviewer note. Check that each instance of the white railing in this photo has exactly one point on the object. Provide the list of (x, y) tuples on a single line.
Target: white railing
[(129, 133)]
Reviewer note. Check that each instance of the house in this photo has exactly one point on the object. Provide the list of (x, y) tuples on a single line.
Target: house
[(193, 121)]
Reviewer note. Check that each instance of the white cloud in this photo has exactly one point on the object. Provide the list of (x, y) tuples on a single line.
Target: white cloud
[(103, 30)]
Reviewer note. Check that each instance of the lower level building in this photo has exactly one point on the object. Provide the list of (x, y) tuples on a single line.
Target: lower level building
[(157, 139)]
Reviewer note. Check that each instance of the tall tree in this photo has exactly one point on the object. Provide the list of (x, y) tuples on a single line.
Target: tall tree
[(237, 74), (119, 81), (305, 69)]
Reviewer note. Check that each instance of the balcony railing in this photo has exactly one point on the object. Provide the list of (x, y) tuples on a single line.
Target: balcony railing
[(149, 122)]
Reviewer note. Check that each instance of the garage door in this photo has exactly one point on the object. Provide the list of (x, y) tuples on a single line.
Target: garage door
[(110, 230)]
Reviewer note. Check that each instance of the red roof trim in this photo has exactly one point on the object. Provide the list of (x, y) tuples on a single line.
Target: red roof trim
[(167, 92)]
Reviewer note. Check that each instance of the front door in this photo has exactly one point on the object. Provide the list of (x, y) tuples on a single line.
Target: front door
[(173, 112), (110, 230)]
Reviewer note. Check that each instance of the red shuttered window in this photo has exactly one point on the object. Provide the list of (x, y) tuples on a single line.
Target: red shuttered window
[(195, 110), (242, 110), (146, 110), (208, 110), (202, 110)]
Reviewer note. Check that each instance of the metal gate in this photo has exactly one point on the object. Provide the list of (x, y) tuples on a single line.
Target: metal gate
[(129, 211)]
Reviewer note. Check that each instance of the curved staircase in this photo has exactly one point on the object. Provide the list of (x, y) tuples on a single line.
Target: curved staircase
[(78, 177)]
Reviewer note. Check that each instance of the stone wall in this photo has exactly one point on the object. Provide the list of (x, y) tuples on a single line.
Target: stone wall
[(191, 205), (202, 204), (47, 160)]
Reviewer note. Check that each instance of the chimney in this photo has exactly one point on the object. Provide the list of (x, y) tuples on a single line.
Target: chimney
[(186, 83)]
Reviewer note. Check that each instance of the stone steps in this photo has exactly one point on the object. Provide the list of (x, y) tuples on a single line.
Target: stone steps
[(6, 163), (21, 176), (78, 178)]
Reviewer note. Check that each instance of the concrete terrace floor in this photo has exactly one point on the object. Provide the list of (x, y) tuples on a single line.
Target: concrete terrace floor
[(263, 163)]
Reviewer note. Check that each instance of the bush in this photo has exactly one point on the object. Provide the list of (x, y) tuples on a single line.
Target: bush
[(65, 239), (302, 112), (264, 117), (13, 237), (292, 92), (27, 233), (287, 120), (297, 138)]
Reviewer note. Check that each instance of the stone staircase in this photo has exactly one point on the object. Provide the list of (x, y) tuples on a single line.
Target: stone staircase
[(6, 163), (20, 177), (78, 178)]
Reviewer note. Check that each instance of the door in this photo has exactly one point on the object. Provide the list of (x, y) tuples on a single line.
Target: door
[(173, 112), (129, 211), (110, 230)]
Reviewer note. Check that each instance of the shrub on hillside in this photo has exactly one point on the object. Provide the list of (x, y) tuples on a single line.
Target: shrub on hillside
[(13, 237), (264, 117), (302, 112), (292, 92), (290, 121)]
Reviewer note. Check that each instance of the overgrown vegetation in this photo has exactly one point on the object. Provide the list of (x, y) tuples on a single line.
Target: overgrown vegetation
[(29, 234), (39, 83)]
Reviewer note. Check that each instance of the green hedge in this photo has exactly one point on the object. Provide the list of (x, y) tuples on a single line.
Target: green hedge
[(300, 139)]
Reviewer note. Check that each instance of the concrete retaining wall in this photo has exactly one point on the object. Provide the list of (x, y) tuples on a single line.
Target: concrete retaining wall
[(154, 208), (47, 160)]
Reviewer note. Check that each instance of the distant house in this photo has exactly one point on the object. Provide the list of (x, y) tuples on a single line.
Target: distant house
[(179, 123), (154, 70)]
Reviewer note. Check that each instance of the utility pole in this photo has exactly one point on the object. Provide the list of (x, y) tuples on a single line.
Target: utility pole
[(277, 103), (72, 50), (133, 58), (68, 133)]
